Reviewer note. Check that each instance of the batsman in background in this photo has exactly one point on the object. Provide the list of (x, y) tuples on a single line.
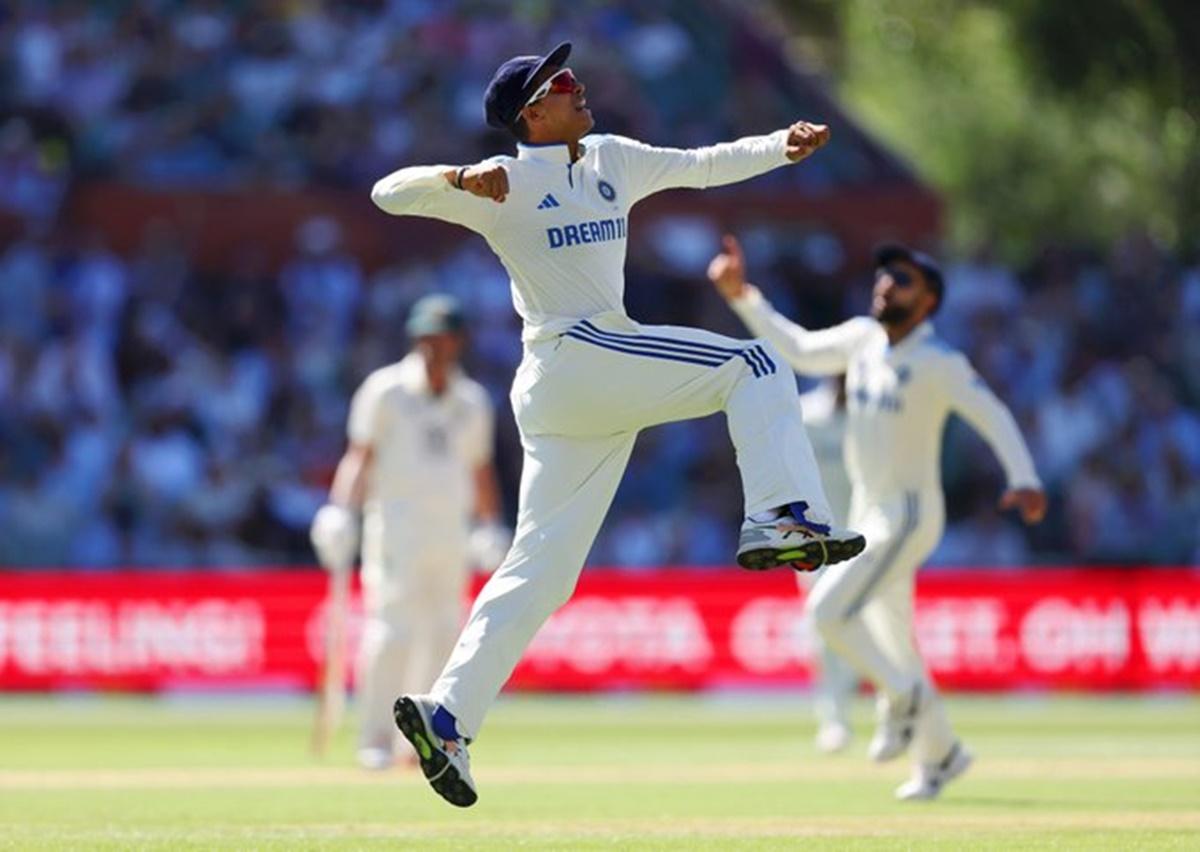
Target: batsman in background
[(591, 377), (419, 467), (902, 383)]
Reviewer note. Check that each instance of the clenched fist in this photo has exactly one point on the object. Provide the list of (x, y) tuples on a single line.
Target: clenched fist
[(487, 180), (805, 138)]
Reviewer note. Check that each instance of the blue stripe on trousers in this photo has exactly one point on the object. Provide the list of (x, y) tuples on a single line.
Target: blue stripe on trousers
[(653, 342), (645, 353), (646, 346), (758, 361), (767, 364)]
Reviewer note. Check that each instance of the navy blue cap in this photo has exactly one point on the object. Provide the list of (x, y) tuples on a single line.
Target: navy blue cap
[(512, 84), (436, 313), (890, 252)]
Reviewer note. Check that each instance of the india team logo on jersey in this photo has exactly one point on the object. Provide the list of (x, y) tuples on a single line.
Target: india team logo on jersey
[(606, 190)]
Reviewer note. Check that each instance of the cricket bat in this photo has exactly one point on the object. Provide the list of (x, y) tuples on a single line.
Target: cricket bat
[(331, 688)]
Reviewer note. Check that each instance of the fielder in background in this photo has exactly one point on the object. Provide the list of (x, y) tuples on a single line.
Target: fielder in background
[(902, 383), (591, 377), (834, 680), (419, 467)]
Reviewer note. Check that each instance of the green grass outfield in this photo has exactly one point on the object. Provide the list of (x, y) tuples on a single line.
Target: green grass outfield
[(690, 772)]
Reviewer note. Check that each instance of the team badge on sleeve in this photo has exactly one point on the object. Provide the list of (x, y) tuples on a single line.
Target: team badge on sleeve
[(606, 190)]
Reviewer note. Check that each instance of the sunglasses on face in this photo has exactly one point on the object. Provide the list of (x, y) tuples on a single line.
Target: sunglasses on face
[(560, 83), (900, 277)]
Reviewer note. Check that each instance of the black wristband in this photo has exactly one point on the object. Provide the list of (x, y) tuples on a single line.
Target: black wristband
[(459, 176)]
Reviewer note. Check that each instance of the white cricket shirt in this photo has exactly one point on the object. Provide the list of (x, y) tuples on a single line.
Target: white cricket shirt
[(897, 397), (561, 232), (425, 448)]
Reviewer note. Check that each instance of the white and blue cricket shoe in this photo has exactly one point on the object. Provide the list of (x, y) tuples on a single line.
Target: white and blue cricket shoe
[(896, 724), (445, 762), (792, 539), (930, 779)]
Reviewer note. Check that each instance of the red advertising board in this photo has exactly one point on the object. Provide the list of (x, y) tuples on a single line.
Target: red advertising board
[(669, 628)]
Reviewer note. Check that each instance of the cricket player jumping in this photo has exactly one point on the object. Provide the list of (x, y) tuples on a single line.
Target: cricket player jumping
[(556, 215), (902, 383), (420, 466)]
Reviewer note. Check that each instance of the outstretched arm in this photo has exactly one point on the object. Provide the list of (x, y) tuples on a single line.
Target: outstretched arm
[(819, 353), (465, 195), (652, 169), (974, 401)]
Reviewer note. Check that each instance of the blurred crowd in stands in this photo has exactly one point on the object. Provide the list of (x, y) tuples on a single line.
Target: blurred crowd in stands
[(297, 92), (153, 413)]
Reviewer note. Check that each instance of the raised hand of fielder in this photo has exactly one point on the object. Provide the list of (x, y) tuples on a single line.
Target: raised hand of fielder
[(1030, 502), (727, 271)]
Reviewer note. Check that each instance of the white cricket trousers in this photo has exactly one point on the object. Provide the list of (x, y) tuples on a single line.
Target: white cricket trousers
[(835, 681), (410, 623), (580, 400), (863, 607)]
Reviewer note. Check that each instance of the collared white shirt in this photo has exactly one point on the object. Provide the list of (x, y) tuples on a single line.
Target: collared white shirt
[(561, 233)]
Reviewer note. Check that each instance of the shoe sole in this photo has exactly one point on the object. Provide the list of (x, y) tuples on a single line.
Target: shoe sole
[(807, 557), (436, 767)]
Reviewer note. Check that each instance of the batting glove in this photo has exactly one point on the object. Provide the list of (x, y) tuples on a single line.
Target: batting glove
[(334, 535)]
